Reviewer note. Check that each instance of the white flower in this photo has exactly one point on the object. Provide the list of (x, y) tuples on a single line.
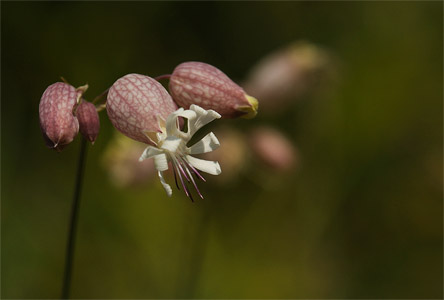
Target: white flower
[(171, 146)]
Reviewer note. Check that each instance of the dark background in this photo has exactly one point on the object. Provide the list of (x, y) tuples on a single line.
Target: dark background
[(361, 218)]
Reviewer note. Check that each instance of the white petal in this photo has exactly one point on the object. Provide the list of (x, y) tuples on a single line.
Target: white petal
[(189, 114), (161, 162), (210, 167), (171, 143), (149, 152), (203, 118), (171, 123), (207, 144), (165, 185)]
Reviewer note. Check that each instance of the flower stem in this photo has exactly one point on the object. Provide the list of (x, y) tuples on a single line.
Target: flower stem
[(96, 99), (194, 265), (160, 77), (70, 246)]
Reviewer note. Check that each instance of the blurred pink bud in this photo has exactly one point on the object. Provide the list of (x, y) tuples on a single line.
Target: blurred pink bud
[(57, 122), (121, 160), (89, 122), (136, 104), (286, 74), (204, 85), (232, 155), (273, 148)]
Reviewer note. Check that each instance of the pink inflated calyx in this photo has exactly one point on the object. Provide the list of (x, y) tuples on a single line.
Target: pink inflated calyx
[(89, 122), (57, 122), (204, 85), (273, 148), (136, 104)]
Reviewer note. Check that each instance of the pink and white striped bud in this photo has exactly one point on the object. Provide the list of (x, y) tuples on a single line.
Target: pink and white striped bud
[(208, 87), (57, 122), (89, 122), (136, 104)]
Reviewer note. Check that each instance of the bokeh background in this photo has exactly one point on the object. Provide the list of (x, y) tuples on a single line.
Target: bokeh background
[(360, 216)]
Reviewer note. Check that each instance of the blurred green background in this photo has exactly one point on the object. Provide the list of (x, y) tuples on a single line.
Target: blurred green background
[(360, 218)]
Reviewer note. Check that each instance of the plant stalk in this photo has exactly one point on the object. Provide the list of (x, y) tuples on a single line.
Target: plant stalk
[(70, 246), (165, 76)]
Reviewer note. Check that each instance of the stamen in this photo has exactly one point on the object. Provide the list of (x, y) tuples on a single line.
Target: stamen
[(177, 166), (183, 184), (175, 159), (194, 170), (175, 178), (194, 183), (183, 172)]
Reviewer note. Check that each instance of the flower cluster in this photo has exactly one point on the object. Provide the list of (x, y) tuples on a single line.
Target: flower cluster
[(141, 108), (280, 80), (63, 112)]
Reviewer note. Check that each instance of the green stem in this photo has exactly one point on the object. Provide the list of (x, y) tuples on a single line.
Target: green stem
[(70, 247), (193, 267)]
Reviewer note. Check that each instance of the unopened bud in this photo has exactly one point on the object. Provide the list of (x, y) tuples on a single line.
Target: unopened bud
[(136, 104), (232, 155), (121, 161), (204, 85), (57, 122), (273, 148), (286, 74), (89, 122)]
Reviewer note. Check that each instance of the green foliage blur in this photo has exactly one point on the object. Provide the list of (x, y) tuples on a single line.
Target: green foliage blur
[(361, 217)]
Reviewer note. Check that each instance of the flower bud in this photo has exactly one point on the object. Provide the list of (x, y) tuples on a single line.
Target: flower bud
[(273, 149), (204, 85), (286, 74), (121, 161), (89, 122), (136, 104), (232, 155), (57, 122)]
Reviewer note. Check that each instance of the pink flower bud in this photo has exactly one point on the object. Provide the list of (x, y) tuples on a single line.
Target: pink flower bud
[(57, 122), (88, 120), (273, 148), (204, 85), (135, 105), (121, 161), (232, 154), (286, 74)]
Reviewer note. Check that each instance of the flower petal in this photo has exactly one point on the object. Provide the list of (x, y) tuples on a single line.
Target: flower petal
[(203, 117), (165, 185), (161, 162), (171, 143), (149, 152), (207, 144), (171, 123), (210, 167)]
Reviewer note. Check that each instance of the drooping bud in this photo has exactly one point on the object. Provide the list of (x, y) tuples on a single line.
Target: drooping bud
[(232, 155), (89, 122), (273, 148), (136, 104), (121, 161), (286, 74), (57, 122), (204, 85)]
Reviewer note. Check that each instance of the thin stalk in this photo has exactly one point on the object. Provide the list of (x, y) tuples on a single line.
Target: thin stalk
[(96, 99), (160, 77), (192, 266), (70, 246)]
